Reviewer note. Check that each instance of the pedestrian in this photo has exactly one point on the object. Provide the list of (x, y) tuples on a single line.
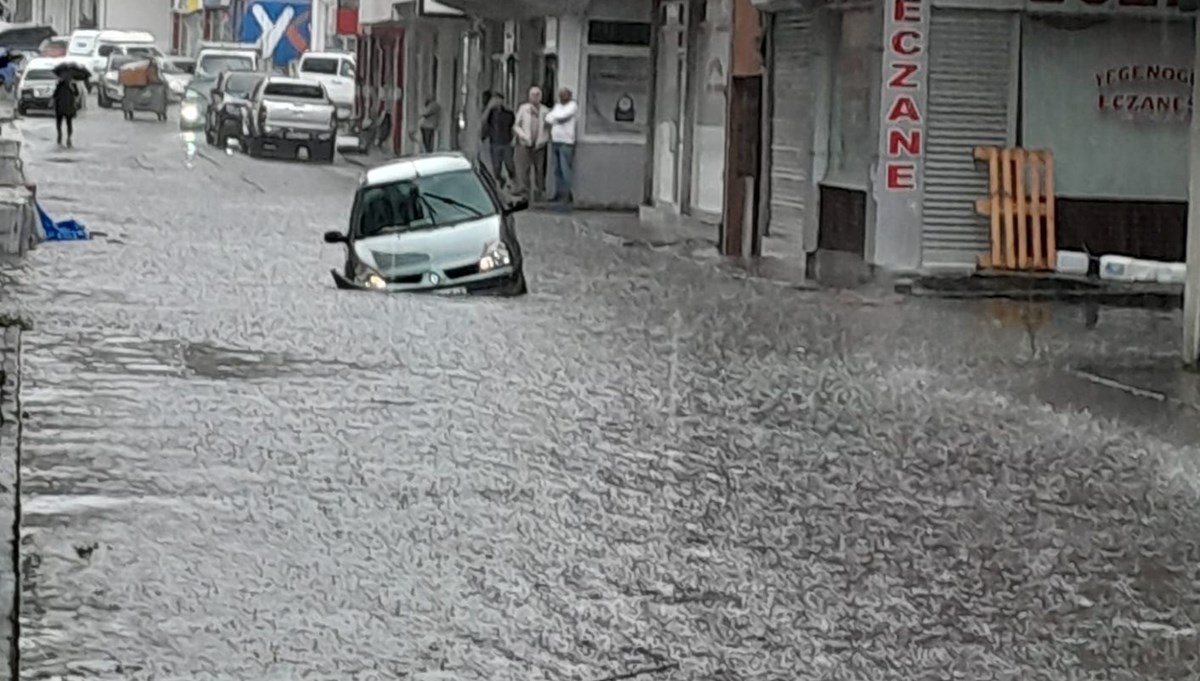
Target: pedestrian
[(65, 102), (562, 140), (497, 131), (431, 121), (532, 135)]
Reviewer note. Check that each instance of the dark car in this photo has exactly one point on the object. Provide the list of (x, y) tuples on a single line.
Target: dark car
[(431, 223), (227, 103)]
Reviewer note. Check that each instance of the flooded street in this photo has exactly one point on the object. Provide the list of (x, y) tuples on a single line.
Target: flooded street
[(231, 470)]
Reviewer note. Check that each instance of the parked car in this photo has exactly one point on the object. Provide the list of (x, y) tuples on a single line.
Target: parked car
[(335, 71), (93, 48), (290, 117), (228, 101), (193, 110), (109, 91), (55, 46), (184, 64), (213, 58), (35, 90), (431, 223)]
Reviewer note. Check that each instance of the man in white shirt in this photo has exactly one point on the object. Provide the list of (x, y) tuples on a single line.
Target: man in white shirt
[(562, 142)]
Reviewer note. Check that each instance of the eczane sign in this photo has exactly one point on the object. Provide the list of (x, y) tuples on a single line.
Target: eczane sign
[(903, 115)]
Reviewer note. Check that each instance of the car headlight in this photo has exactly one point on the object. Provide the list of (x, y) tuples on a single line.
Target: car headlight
[(495, 255), (189, 112), (372, 279)]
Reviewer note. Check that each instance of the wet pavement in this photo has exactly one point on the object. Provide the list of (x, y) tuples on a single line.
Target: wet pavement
[(232, 470)]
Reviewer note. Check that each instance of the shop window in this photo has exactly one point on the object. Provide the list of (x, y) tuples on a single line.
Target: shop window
[(622, 33), (618, 94), (851, 138)]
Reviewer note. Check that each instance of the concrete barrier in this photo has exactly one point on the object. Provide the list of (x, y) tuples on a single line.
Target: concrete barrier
[(20, 228)]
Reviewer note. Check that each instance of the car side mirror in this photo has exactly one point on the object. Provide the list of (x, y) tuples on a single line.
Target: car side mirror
[(517, 206), (333, 237)]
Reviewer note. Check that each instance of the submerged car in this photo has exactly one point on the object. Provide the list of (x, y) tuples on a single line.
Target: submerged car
[(432, 223)]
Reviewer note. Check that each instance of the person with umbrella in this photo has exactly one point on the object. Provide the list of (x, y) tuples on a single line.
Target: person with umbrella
[(66, 98)]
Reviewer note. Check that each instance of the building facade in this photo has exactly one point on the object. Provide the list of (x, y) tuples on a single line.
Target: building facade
[(600, 49), (877, 107)]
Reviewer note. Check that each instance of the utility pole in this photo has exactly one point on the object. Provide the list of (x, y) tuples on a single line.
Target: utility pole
[(1191, 291)]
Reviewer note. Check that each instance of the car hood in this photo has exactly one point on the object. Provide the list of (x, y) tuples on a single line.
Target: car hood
[(428, 249)]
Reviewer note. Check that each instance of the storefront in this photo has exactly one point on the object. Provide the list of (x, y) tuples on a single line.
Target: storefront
[(380, 76), (876, 155)]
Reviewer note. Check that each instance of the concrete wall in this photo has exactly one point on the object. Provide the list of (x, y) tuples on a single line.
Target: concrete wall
[(139, 15)]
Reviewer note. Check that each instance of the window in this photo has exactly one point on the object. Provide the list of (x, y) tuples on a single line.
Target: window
[(851, 138), (106, 50), (618, 93), (213, 64), (320, 65), (347, 69), (82, 46), (623, 33), (241, 84), (423, 203), (296, 90), (40, 74)]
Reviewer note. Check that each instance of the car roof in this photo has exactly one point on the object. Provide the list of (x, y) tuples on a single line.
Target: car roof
[(412, 167), (328, 55), (118, 36), (44, 63), (287, 80)]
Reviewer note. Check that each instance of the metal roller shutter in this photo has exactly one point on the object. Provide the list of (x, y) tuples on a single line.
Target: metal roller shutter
[(791, 124), (971, 68)]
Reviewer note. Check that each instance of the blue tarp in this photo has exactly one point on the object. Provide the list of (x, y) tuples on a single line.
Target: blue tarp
[(67, 230)]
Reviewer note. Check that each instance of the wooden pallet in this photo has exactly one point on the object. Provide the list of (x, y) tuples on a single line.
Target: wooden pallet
[(1021, 207)]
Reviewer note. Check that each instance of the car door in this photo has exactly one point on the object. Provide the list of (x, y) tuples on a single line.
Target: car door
[(216, 98)]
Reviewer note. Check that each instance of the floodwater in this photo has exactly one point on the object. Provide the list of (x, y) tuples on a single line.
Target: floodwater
[(232, 470)]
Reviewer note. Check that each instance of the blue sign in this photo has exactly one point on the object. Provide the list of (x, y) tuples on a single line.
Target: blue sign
[(282, 29)]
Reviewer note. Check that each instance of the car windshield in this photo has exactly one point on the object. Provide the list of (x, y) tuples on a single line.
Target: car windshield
[(320, 65), (40, 74), (215, 63), (170, 67), (242, 84), (296, 90), (185, 65), (423, 203)]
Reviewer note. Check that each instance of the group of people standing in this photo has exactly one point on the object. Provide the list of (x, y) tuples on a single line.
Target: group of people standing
[(519, 143)]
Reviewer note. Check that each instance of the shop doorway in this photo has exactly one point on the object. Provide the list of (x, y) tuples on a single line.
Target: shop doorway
[(671, 186)]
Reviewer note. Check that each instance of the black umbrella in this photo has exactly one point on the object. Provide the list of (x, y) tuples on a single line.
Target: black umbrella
[(72, 71)]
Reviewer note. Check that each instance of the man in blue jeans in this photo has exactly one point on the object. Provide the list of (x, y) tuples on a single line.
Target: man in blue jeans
[(562, 143)]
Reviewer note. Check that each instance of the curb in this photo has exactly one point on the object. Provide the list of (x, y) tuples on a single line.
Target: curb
[(10, 494)]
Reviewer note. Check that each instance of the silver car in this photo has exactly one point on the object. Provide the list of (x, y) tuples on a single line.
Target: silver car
[(431, 223)]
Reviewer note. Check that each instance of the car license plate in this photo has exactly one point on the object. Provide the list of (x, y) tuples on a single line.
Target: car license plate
[(452, 291), (297, 135)]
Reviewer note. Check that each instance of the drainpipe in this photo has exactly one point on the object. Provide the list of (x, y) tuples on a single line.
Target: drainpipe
[(652, 108), (1191, 291)]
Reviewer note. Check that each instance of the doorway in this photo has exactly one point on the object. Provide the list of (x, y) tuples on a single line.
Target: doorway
[(670, 138)]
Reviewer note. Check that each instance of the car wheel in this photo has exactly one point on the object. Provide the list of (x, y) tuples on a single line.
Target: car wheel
[(328, 152), (21, 111), (253, 148), (516, 286)]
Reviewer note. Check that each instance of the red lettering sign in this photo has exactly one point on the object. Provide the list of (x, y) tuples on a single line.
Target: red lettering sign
[(905, 48), (901, 176)]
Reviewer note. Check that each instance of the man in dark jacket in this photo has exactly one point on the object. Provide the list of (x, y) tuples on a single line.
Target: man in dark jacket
[(498, 132), (64, 108)]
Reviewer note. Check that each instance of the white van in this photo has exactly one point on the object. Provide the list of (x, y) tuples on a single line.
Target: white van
[(92, 48)]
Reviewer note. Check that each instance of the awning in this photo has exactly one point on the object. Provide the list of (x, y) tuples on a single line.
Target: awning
[(513, 9)]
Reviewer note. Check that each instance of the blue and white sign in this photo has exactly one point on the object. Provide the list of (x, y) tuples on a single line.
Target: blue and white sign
[(280, 29)]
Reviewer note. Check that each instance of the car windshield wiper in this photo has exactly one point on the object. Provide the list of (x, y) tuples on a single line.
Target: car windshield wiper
[(475, 212)]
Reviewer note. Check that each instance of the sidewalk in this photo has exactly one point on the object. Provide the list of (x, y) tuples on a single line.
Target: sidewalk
[(693, 240)]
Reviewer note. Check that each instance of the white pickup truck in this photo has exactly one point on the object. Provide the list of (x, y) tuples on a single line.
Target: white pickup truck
[(334, 70), (213, 58), (290, 117)]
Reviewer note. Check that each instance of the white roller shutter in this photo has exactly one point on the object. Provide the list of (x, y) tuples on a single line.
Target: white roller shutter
[(792, 83), (971, 65)]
